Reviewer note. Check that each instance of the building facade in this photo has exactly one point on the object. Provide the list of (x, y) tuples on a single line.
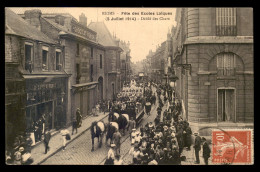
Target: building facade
[(155, 63), (35, 82), (213, 58), (84, 60), (112, 63), (125, 59)]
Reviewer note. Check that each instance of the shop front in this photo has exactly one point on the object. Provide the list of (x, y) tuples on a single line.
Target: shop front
[(14, 104), (84, 98), (46, 100)]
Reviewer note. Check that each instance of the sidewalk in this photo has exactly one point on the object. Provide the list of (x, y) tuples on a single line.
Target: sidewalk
[(55, 144), (190, 157)]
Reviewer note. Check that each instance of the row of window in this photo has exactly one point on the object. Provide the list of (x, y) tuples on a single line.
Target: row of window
[(226, 22), (45, 58)]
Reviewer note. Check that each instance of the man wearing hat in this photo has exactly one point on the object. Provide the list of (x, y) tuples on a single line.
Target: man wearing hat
[(187, 136), (76, 123), (197, 147), (179, 136), (78, 118), (206, 150), (47, 137), (133, 134), (116, 140), (150, 125), (132, 125), (157, 120)]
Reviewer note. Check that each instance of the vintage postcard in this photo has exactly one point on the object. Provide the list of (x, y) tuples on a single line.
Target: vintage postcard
[(129, 86)]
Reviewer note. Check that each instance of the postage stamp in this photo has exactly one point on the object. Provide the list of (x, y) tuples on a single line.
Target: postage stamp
[(232, 146)]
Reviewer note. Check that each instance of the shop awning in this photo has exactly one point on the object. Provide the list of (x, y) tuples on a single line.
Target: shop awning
[(45, 76), (84, 84), (91, 87)]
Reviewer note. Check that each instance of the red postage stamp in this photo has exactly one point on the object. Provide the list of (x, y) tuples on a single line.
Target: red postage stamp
[(232, 146)]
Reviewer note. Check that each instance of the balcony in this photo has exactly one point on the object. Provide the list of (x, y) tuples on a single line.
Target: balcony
[(226, 73), (223, 30)]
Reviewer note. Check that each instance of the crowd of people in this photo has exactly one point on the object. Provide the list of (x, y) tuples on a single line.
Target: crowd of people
[(162, 141), (19, 152)]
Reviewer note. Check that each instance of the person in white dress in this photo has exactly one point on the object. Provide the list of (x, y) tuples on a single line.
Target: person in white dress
[(138, 137), (111, 155), (64, 132)]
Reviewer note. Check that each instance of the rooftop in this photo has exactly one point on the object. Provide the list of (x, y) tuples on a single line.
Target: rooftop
[(16, 25), (104, 37)]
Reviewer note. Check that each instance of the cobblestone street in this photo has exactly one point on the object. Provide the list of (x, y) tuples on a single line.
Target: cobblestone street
[(78, 152)]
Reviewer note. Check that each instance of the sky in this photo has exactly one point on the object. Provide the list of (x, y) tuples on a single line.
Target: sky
[(143, 35)]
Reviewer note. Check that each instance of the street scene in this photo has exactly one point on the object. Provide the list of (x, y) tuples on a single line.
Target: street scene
[(129, 86)]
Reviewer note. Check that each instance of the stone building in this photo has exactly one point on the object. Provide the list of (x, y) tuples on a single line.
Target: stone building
[(35, 83), (156, 62), (125, 59), (213, 58), (112, 63), (84, 60), (147, 65)]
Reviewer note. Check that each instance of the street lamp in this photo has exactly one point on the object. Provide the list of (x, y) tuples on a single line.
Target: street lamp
[(62, 94)]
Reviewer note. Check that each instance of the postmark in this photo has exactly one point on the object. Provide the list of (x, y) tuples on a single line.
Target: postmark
[(232, 146)]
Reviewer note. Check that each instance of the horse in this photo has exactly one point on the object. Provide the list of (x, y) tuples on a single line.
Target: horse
[(97, 130), (111, 129), (121, 119), (123, 122), (113, 117)]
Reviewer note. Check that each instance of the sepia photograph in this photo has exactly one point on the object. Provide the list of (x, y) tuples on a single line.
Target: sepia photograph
[(129, 86)]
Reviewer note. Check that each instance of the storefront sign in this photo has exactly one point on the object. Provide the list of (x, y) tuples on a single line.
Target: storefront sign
[(84, 32)]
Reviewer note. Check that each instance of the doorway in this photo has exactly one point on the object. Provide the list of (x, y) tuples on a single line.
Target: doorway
[(226, 105), (100, 88)]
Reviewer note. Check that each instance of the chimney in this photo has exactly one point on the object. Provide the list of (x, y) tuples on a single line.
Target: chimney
[(33, 17), (83, 19), (60, 19)]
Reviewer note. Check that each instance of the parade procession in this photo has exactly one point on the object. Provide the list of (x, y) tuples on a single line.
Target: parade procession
[(119, 89)]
